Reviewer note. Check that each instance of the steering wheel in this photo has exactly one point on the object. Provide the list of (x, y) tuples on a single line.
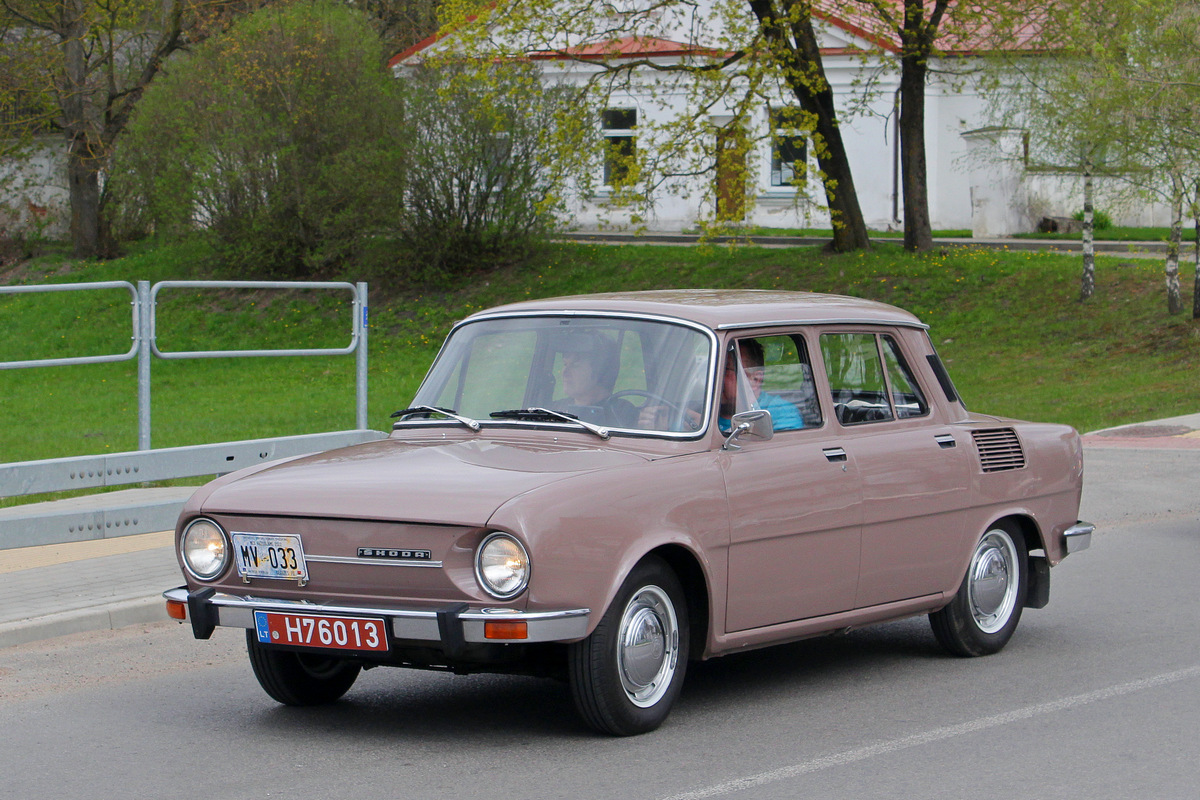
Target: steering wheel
[(676, 423)]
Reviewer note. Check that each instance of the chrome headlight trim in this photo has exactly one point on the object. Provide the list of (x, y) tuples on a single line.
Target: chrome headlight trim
[(506, 561), (204, 549)]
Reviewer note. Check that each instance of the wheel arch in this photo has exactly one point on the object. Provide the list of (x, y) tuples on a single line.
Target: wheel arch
[(1037, 566), (1028, 527), (691, 575)]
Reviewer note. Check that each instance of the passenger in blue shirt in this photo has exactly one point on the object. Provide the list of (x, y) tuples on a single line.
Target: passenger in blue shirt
[(784, 415)]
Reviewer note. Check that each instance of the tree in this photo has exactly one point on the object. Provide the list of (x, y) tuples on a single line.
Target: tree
[(1055, 97), (786, 27), (487, 152), (278, 138), (400, 23), (926, 30), (1115, 91), (94, 58)]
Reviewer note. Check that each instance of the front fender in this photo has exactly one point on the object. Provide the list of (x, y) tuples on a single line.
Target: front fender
[(585, 534)]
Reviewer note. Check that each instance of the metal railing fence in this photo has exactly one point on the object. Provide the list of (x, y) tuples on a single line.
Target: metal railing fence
[(142, 511), (144, 334)]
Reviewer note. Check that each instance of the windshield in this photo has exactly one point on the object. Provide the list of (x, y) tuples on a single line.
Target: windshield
[(623, 374)]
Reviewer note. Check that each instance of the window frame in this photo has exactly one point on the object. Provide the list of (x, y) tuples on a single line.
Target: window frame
[(801, 340), (889, 389), (799, 167), (627, 147)]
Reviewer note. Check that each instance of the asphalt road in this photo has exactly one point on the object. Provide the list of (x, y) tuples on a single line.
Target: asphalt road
[(1097, 696)]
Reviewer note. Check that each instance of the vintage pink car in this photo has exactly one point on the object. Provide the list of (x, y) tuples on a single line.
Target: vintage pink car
[(601, 488)]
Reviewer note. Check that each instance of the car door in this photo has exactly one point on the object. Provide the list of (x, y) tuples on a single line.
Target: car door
[(914, 468), (794, 502)]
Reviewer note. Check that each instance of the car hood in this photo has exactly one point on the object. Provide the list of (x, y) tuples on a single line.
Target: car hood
[(458, 483)]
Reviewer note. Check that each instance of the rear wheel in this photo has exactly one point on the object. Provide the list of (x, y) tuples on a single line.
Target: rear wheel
[(987, 607), (625, 676), (300, 679)]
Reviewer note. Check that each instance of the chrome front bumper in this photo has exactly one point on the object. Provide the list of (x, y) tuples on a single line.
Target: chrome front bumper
[(1078, 537), (206, 609)]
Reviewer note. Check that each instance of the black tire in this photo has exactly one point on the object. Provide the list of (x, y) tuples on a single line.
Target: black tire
[(625, 677), (300, 679), (985, 611)]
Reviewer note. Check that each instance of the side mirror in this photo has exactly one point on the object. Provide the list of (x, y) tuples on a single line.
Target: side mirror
[(751, 424)]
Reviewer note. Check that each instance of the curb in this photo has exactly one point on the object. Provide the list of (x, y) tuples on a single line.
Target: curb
[(109, 616), (1103, 247)]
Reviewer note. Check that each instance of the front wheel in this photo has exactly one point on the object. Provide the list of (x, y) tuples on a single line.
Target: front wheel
[(987, 607), (626, 675), (298, 679)]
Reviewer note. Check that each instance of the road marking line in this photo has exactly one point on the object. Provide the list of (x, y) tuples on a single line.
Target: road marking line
[(936, 735)]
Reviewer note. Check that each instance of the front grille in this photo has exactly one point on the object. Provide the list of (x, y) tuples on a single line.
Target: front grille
[(999, 449)]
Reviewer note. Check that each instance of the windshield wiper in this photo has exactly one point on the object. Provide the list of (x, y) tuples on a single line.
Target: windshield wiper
[(539, 414), (470, 423)]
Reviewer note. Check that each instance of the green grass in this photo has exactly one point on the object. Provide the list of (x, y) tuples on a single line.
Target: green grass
[(1015, 337)]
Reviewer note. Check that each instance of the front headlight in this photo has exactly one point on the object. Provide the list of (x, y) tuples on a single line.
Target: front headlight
[(205, 549), (502, 566)]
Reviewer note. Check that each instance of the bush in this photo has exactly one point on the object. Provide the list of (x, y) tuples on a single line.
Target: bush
[(277, 138), (1100, 220), (488, 151)]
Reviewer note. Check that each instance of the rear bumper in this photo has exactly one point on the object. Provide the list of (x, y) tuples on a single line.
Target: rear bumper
[(1078, 537), (449, 626)]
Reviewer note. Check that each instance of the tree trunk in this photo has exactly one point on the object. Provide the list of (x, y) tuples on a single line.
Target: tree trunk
[(849, 229), (794, 41), (1196, 251), (1088, 284), (1196, 280), (1174, 301), (83, 180), (918, 235)]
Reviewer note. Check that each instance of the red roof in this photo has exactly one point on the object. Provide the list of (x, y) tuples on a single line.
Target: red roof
[(954, 38), (629, 47), (840, 14)]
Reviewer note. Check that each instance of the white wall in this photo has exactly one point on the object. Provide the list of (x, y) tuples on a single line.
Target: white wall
[(34, 199), (870, 140)]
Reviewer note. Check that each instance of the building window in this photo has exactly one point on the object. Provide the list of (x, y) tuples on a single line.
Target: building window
[(620, 150), (26, 113), (789, 149)]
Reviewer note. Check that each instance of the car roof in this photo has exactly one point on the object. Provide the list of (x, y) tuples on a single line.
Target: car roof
[(722, 309)]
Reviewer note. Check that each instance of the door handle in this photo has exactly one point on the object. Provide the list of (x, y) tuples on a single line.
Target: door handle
[(834, 454), (945, 441)]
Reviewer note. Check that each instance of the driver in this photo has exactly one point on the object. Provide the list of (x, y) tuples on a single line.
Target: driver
[(591, 362)]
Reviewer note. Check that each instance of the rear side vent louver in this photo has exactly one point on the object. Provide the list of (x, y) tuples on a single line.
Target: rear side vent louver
[(999, 449)]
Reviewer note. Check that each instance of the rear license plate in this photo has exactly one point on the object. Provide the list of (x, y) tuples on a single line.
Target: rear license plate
[(320, 630), (263, 555)]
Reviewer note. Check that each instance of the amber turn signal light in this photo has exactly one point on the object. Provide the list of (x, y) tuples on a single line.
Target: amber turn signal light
[(505, 630), (177, 610)]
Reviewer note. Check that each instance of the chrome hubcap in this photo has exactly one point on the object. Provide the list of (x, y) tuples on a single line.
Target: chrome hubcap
[(647, 646), (993, 579)]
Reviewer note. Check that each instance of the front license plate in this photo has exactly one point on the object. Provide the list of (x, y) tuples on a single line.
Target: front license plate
[(320, 630), (263, 555)]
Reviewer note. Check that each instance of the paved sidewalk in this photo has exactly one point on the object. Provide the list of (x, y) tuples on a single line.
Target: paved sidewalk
[(54, 590), (1172, 433), (102, 584)]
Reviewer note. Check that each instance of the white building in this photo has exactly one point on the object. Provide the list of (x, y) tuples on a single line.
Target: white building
[(977, 175)]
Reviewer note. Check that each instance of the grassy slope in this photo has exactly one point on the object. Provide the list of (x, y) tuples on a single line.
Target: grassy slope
[(1016, 339)]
